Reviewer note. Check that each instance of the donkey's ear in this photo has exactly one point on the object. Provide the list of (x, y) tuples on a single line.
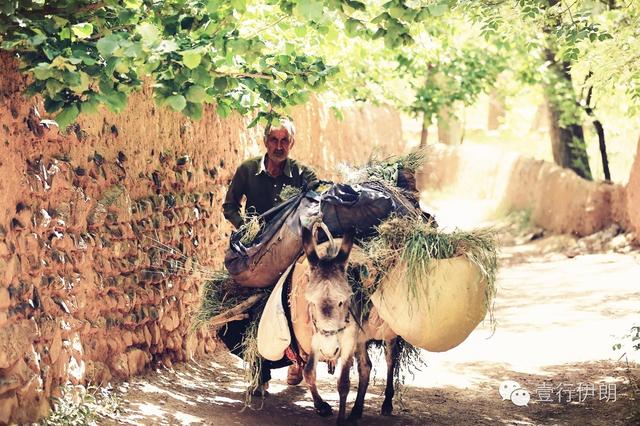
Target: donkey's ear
[(345, 248), (309, 245)]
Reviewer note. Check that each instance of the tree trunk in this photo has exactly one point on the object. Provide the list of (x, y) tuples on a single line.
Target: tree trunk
[(567, 136), (425, 130), (602, 144), (496, 110), (603, 150)]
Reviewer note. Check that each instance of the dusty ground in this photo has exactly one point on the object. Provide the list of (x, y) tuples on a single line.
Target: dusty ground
[(561, 305)]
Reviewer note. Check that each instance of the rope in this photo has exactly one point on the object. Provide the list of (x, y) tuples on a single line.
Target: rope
[(319, 223)]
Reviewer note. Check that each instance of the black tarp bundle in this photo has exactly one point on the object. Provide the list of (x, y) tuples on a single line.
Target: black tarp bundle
[(360, 207)]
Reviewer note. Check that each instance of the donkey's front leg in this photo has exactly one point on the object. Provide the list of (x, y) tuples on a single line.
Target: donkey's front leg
[(309, 372), (364, 372), (343, 388)]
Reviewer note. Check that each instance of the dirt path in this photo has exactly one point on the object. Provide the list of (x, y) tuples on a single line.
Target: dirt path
[(558, 311)]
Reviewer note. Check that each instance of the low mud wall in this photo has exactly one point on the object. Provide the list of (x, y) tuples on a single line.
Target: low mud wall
[(557, 198), (100, 229), (633, 195)]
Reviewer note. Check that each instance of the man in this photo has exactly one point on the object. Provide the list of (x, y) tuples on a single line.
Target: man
[(261, 180)]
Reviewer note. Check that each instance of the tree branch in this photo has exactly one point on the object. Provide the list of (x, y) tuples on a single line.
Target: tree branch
[(235, 313)]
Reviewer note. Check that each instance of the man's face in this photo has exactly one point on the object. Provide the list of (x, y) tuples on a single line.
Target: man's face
[(278, 145)]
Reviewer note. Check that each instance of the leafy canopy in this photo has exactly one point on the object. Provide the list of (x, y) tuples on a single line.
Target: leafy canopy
[(263, 57)]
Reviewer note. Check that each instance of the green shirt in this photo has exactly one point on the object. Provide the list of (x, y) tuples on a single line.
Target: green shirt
[(262, 190)]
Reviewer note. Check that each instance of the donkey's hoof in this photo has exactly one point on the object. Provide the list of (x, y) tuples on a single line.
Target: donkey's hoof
[(346, 422), (323, 409), (355, 415), (387, 409)]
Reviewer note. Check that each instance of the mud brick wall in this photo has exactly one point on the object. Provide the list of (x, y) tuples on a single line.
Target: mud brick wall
[(100, 230), (558, 199), (633, 195)]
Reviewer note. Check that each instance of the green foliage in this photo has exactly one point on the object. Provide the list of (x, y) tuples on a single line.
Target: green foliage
[(83, 53), (80, 406), (263, 57), (455, 75)]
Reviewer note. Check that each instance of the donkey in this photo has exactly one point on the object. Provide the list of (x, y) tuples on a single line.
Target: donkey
[(326, 327)]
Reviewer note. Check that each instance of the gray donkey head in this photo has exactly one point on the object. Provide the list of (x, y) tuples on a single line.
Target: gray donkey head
[(328, 294)]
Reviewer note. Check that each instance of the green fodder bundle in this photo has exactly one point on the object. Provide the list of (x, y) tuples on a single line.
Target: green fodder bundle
[(221, 294), (410, 361), (289, 191), (386, 169), (251, 358), (218, 294), (250, 230), (250, 355), (416, 243)]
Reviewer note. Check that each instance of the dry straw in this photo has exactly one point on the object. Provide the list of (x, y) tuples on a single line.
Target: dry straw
[(250, 230), (289, 191)]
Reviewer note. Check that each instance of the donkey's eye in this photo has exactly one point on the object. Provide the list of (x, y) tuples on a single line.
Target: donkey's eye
[(340, 304)]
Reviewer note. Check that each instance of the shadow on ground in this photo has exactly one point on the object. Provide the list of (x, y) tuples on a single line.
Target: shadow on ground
[(212, 392)]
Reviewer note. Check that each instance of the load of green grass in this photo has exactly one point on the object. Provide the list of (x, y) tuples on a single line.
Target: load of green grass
[(250, 230), (218, 294), (385, 169), (416, 243), (289, 191)]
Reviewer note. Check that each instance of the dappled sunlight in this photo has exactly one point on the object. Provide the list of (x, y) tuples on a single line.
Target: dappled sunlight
[(557, 317)]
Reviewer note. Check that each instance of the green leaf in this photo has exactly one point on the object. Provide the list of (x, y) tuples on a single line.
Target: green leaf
[(201, 76), (67, 116), (381, 32), (311, 10), (107, 45), (42, 71), (438, 9), (196, 94), (90, 106), (212, 6), (356, 5), (223, 110), (115, 101), (167, 46), (53, 87), (221, 83), (352, 26), (65, 33), (176, 102), (149, 33), (239, 5), (71, 78), (133, 51), (397, 12), (312, 79), (193, 110), (191, 58), (133, 4), (279, 74), (83, 30)]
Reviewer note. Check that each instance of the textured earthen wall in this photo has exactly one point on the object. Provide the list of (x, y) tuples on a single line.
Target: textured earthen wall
[(100, 228), (559, 200), (633, 195)]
